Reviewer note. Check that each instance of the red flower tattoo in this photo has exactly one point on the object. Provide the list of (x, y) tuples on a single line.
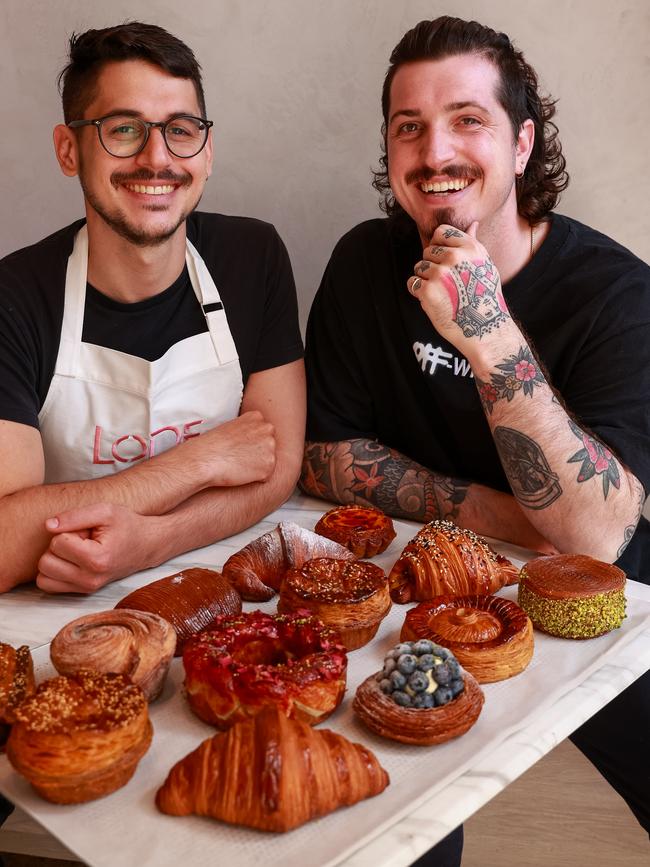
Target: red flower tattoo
[(596, 460), (367, 481), (520, 373)]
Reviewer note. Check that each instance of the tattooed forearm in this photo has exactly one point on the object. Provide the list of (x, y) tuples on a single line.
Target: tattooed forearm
[(475, 291), (367, 472), (533, 482), (595, 460), (629, 531), (521, 375)]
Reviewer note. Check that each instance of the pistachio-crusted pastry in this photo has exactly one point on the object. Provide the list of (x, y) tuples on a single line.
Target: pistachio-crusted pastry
[(80, 737), (443, 560), (421, 696), (572, 595), (271, 773), (348, 595), (365, 531), (16, 683), (490, 636)]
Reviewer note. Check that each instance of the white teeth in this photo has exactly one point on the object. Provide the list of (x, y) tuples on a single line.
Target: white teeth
[(444, 186), (150, 191)]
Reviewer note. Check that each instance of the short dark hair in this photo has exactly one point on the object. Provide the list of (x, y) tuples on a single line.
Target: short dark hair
[(90, 51), (538, 190)]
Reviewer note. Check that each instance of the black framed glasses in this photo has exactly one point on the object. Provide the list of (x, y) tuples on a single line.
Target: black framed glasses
[(124, 136)]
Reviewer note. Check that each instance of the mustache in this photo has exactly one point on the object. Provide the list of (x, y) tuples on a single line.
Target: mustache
[(425, 173), (182, 179)]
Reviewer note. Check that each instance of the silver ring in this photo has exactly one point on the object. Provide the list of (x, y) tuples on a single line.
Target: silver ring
[(415, 285)]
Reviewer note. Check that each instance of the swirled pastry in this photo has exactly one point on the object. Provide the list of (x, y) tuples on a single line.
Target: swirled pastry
[(490, 636), (349, 595), (443, 560), (271, 773), (365, 531), (16, 683), (258, 569), (136, 643), (190, 600), (80, 737), (572, 595)]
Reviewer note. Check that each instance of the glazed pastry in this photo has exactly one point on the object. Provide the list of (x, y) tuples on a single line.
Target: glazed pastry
[(348, 595), (256, 659), (443, 560), (16, 683), (363, 530), (258, 569), (421, 696), (572, 595), (271, 773), (491, 637), (80, 737), (190, 600), (136, 643)]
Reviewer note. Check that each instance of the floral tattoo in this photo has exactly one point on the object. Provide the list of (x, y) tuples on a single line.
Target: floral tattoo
[(596, 460), (475, 292), (520, 373)]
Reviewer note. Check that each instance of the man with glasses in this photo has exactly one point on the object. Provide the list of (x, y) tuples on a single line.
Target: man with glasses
[(144, 349)]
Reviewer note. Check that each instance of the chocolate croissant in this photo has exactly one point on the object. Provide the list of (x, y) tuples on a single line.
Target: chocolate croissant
[(271, 773), (190, 600), (258, 569), (16, 683), (444, 560)]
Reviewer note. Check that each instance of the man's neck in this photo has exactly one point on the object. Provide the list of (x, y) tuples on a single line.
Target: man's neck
[(127, 272)]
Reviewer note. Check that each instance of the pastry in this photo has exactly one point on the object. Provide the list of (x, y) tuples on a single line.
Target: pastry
[(443, 560), (491, 637), (190, 600), (572, 595), (137, 643), (421, 696), (80, 737), (271, 773), (258, 569), (245, 663), (349, 595), (16, 683), (363, 530)]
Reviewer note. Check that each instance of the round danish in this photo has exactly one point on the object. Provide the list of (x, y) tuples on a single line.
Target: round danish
[(365, 531), (491, 637), (421, 696), (572, 595), (256, 659), (350, 595), (136, 643), (80, 737)]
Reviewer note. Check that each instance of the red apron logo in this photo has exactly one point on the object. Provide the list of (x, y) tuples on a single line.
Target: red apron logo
[(134, 447)]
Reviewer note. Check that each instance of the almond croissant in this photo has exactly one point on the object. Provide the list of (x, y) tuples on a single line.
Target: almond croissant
[(271, 773), (258, 569)]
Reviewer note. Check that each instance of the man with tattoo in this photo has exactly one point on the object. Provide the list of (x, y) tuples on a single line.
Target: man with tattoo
[(479, 358)]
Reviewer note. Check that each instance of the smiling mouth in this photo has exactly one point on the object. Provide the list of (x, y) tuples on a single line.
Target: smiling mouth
[(162, 190), (453, 185)]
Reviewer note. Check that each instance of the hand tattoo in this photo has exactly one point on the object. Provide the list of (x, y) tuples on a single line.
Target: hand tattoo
[(436, 251), (422, 266), (452, 233), (533, 482), (521, 373), (475, 292), (596, 459)]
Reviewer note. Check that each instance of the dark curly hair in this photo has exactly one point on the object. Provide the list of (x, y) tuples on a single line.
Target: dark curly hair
[(90, 51), (538, 190)]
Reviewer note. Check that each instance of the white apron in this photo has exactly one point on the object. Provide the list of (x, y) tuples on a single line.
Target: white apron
[(106, 410)]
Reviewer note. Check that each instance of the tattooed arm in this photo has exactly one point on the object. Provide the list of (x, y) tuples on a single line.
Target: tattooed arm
[(366, 472), (570, 485)]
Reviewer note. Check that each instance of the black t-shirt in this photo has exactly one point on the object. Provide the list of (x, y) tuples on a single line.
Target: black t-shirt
[(245, 257), (378, 369)]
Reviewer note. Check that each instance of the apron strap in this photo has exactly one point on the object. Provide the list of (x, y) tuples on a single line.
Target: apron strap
[(212, 306), (73, 306)]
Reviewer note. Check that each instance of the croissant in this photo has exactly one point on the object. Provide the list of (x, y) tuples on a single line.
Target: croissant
[(190, 600), (271, 773), (443, 560), (258, 569), (16, 683), (137, 643)]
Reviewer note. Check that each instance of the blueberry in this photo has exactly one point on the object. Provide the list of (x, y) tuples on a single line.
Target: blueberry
[(397, 680), (442, 695), (389, 665), (418, 681), (426, 662), (454, 667), (407, 663), (385, 686), (423, 699), (457, 686), (398, 650), (442, 652), (441, 674), (402, 698), (423, 646)]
